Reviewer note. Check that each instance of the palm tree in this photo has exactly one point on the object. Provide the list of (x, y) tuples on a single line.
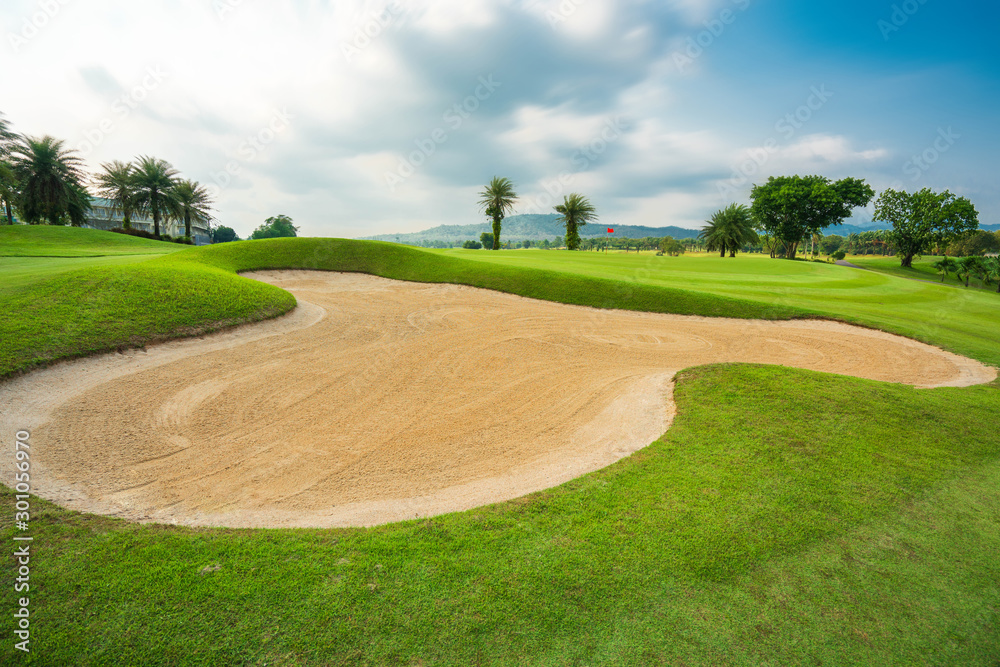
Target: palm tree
[(967, 266), (155, 189), (576, 211), (117, 183), (729, 229), (194, 203), (993, 270), (497, 200), (50, 179), (944, 266), (8, 189)]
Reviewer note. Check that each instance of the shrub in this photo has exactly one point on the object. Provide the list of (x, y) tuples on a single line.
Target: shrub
[(472, 245), (839, 255), (135, 232)]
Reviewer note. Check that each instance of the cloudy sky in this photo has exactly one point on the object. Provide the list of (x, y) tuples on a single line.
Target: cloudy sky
[(359, 118)]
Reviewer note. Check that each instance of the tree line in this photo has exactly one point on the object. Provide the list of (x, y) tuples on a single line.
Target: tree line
[(45, 183), (790, 212)]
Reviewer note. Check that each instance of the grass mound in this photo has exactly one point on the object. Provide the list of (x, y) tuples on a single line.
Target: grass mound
[(48, 241)]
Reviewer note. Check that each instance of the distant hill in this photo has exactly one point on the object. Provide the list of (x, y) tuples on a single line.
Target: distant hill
[(533, 227)]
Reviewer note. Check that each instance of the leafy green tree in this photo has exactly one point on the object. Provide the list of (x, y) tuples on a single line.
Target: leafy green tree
[(789, 208), (117, 183), (223, 234), (729, 229), (497, 200), (472, 245), (979, 242), (50, 179), (194, 204), (526, 243), (155, 183), (831, 244), (278, 226), (576, 211), (944, 266), (924, 219), (486, 239), (670, 246)]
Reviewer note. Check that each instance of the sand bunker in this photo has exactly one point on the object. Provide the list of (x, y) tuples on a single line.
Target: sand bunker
[(379, 400)]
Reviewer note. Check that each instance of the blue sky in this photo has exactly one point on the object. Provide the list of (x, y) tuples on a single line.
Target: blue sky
[(361, 118)]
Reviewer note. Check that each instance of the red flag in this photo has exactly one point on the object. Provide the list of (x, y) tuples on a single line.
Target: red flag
[(611, 230)]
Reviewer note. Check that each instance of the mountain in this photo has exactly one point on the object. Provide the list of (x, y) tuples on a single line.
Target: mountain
[(531, 226)]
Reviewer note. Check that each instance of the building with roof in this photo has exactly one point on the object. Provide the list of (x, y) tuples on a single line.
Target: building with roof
[(103, 215)]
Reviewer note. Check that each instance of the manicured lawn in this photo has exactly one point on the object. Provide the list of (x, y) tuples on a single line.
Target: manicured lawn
[(788, 517), (922, 269), (964, 321), (43, 240)]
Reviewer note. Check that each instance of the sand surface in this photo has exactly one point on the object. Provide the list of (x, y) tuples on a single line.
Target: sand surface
[(378, 400)]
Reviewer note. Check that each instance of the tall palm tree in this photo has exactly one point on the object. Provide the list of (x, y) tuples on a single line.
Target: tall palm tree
[(155, 189), (729, 229), (967, 267), (50, 179), (117, 183), (993, 270), (497, 200), (576, 211), (194, 203)]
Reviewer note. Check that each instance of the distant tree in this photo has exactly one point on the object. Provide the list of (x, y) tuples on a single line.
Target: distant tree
[(8, 189), (576, 211), (472, 245), (223, 234), (278, 226), (831, 244), (944, 266), (839, 255), (670, 246), (545, 244), (50, 180), (557, 242), (486, 239), (156, 189), (117, 183), (791, 208), (979, 242), (924, 219), (729, 229), (526, 243), (497, 200), (194, 204)]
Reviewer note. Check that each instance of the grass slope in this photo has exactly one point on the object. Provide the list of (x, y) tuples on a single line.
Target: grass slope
[(788, 517), (922, 269), (47, 241)]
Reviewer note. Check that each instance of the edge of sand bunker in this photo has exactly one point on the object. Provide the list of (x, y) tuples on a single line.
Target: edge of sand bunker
[(640, 413)]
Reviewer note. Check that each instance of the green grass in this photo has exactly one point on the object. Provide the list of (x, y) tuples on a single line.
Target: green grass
[(922, 269), (963, 321), (46, 241), (788, 517)]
